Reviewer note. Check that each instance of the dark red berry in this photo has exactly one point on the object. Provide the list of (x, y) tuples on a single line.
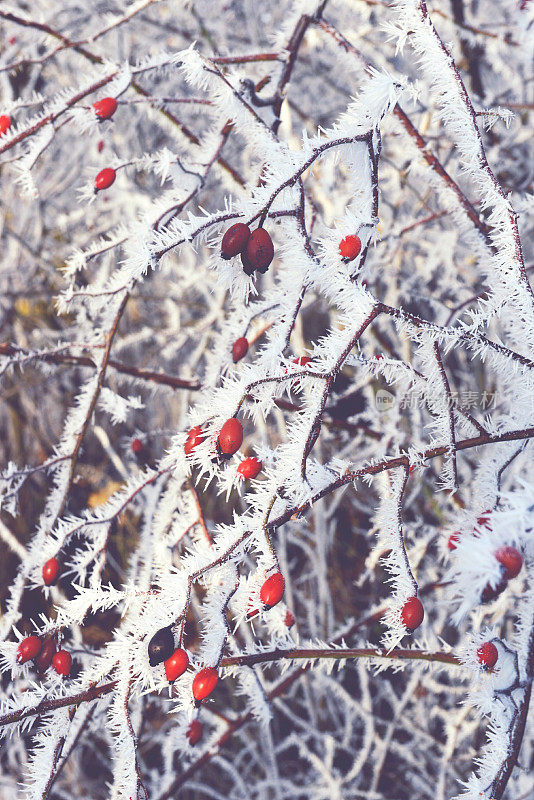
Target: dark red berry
[(260, 249), (289, 619), (194, 732), (349, 247), (62, 662), (454, 538), (272, 590), (412, 613), (29, 648), (100, 145), (161, 646), (231, 436), (512, 561), (490, 592), (105, 108), (204, 683), (194, 437), (239, 349), (176, 665), (137, 446), (50, 571), (235, 240), (487, 655), (105, 178), (5, 124), (44, 659), (249, 468)]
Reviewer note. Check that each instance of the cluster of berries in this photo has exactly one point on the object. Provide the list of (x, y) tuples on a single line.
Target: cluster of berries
[(43, 654), (255, 248), (161, 649), (229, 441)]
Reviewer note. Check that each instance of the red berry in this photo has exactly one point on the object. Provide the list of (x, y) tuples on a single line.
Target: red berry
[(105, 108), (100, 145), (272, 590), (249, 468), (105, 178), (239, 349), (349, 247), (194, 732), (12, 39), (204, 683), (289, 619), (194, 437), (235, 240), (137, 446), (29, 648), (62, 662), (176, 665), (512, 561), (50, 571), (260, 250), (231, 436), (412, 613), (490, 592), (454, 538), (5, 124), (44, 659), (487, 655)]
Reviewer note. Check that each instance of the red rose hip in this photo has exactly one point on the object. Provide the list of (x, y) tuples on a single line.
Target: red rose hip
[(249, 468), (50, 571), (230, 437), (44, 659), (239, 349), (105, 179), (105, 108), (412, 613), (29, 648), (260, 250), (204, 683), (235, 240), (137, 446), (5, 123), (62, 662), (487, 655), (272, 590), (194, 732), (512, 561), (176, 665), (349, 247), (194, 438)]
